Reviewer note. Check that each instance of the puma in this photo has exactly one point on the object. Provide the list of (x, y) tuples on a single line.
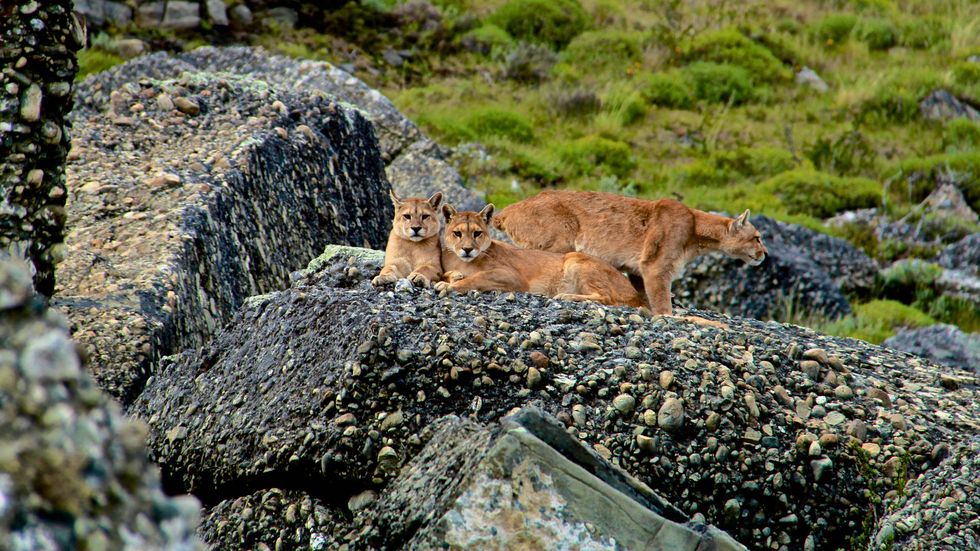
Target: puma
[(413, 249), (473, 261), (650, 240)]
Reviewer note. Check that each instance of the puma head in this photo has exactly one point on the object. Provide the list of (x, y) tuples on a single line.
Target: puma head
[(416, 219), (743, 241), (467, 234)]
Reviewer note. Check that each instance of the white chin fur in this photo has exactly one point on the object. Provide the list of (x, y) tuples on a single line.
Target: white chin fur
[(466, 258), (753, 262), (417, 237)]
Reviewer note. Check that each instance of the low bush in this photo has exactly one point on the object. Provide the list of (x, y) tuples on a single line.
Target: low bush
[(486, 39), (606, 50), (494, 122), (922, 33), (602, 154), (736, 166), (821, 195), (878, 34), (914, 282), (625, 102), (966, 73), (666, 89), (961, 135), (715, 82), (834, 29), (896, 97), (915, 178), (877, 320), (731, 47), (574, 102), (550, 22), (846, 154), (528, 63)]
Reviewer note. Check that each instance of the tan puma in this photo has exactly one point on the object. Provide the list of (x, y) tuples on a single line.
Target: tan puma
[(652, 240), (413, 249), (473, 261)]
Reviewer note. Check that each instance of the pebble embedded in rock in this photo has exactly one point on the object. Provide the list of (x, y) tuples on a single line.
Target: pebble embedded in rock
[(671, 415), (624, 403), (816, 354), (821, 468), (533, 377), (187, 106), (666, 379)]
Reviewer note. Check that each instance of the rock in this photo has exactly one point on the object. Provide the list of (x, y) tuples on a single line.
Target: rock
[(268, 386), (944, 344), (240, 17), (963, 256), (671, 415), (150, 15), (251, 207), (814, 269), (822, 468), (533, 378), (941, 105), (217, 12), (129, 48), (808, 77), (418, 173), (281, 16), (180, 15), (118, 14), (73, 470), (93, 10), (624, 403)]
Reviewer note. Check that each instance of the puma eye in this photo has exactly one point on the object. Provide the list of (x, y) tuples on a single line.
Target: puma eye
[(458, 233), (425, 217), (407, 216), (477, 233)]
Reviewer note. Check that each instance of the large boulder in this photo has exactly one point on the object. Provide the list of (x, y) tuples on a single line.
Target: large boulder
[(806, 273), (190, 194), (781, 436), (941, 343), (73, 470)]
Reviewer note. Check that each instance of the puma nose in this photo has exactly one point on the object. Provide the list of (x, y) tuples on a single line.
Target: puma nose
[(467, 250), (416, 229)]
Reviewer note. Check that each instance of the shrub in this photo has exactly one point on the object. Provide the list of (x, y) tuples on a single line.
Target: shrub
[(849, 153), (551, 22), (494, 122), (783, 48), (878, 34), (877, 320), (95, 59), (595, 151), (534, 164), (834, 29), (907, 280), (922, 33), (486, 39), (966, 73), (896, 97), (577, 102), (625, 102), (961, 135), (528, 63), (915, 178), (604, 50), (716, 82), (668, 89), (729, 46), (820, 194), (756, 162)]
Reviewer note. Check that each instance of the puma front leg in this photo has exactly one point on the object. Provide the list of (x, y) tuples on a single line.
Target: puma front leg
[(424, 275), (656, 281), (389, 274)]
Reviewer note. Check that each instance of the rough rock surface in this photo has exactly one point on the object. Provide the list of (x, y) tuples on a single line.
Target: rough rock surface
[(941, 343), (805, 270), (191, 194), (785, 438), (38, 41), (942, 105), (940, 509), (73, 470), (964, 255)]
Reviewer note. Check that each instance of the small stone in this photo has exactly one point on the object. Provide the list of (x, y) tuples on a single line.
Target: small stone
[(804, 440), (30, 103), (671, 415), (578, 415), (750, 403), (361, 500), (857, 428), (816, 354), (713, 421), (650, 418), (732, 509), (645, 443), (782, 396), (810, 368), (828, 440), (843, 392), (539, 359), (533, 377), (898, 421), (392, 420), (603, 451), (871, 448), (815, 449), (345, 420), (821, 468), (624, 403), (939, 452), (880, 395), (892, 467), (666, 379), (633, 353), (835, 418), (388, 459), (165, 102), (187, 106), (752, 436), (802, 409)]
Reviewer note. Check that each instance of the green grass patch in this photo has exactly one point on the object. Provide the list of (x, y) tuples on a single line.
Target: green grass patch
[(607, 50), (834, 29), (875, 321), (666, 89), (821, 195), (896, 96), (488, 38), (731, 47), (878, 34), (961, 135), (913, 179), (598, 155), (719, 83), (551, 22), (95, 59), (496, 122), (923, 33)]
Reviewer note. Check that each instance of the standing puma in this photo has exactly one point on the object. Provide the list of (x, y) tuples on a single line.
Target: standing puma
[(413, 249), (652, 240), (473, 261)]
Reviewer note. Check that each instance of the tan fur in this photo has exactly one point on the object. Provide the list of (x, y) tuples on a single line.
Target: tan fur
[(650, 240), (473, 261), (413, 249)]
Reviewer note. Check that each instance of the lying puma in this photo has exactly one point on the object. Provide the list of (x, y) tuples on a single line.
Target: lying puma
[(652, 240), (413, 249), (473, 261)]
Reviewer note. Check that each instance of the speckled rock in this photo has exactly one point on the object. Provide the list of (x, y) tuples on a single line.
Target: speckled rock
[(811, 271), (941, 343), (298, 386), (180, 213), (73, 469)]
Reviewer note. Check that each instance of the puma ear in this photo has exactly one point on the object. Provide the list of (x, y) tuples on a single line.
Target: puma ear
[(394, 198), (487, 213), (436, 199), (739, 222), (448, 212)]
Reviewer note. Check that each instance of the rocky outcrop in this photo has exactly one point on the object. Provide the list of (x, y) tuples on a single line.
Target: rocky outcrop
[(941, 105), (941, 343), (940, 509), (38, 41), (190, 194), (73, 470), (805, 272), (783, 437)]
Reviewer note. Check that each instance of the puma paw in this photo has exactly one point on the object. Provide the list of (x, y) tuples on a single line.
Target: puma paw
[(419, 280), (441, 286), (383, 279), (453, 276)]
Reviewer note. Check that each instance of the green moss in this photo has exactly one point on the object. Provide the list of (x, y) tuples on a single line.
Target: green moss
[(878, 34), (604, 50), (877, 320), (488, 38), (94, 60), (603, 154), (731, 47), (551, 22), (667, 89), (495, 122), (820, 194), (915, 178), (897, 95), (924, 32), (834, 29), (719, 83)]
